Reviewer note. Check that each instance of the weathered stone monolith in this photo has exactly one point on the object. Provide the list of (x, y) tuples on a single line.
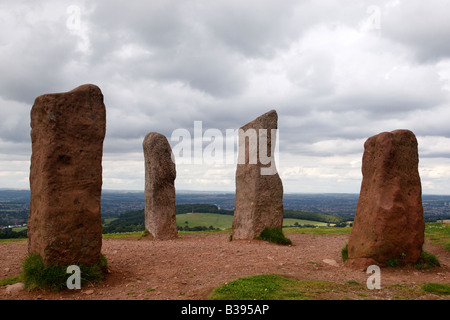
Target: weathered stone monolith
[(67, 133), (389, 221), (259, 190), (160, 174)]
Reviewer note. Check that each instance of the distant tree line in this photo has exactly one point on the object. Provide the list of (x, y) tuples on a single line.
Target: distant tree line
[(196, 228), (201, 208), (126, 222), (436, 218), (135, 220), (10, 234), (338, 220)]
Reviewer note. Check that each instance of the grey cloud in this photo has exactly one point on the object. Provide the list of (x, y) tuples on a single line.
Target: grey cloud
[(384, 105), (34, 58), (253, 28), (14, 121), (207, 69), (178, 49), (423, 26), (160, 23), (164, 64)]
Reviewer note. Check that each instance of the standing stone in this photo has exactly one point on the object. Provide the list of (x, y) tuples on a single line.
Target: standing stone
[(160, 174), (67, 133), (389, 221), (259, 190)]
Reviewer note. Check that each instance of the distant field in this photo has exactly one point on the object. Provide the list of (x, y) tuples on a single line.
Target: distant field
[(291, 222), (220, 221), (17, 229), (109, 220), (225, 221)]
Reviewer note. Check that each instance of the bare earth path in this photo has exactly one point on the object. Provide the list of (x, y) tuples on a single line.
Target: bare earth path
[(191, 266)]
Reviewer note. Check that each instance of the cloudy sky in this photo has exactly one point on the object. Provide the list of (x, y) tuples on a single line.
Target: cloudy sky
[(336, 72)]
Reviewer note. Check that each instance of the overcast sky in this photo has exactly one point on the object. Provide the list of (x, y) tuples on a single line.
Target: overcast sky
[(336, 72)]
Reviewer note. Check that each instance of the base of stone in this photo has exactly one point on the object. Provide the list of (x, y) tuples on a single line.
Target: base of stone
[(361, 263)]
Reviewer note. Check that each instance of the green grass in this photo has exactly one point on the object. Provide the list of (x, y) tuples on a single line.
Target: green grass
[(122, 235), (427, 261), (438, 288), (277, 287), (203, 232), (108, 221), (225, 222), (10, 280), (320, 230), (220, 221), (36, 275), (17, 229), (291, 222), (344, 253), (144, 234), (13, 240), (193, 218), (393, 262), (438, 233), (274, 236), (261, 287)]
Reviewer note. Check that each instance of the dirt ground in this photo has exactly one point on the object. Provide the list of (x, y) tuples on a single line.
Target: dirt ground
[(188, 268)]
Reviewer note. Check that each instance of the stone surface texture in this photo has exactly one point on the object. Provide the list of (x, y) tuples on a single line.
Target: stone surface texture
[(389, 221), (160, 174), (67, 133), (259, 197)]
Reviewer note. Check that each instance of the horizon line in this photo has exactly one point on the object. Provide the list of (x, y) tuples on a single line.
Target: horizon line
[(216, 191)]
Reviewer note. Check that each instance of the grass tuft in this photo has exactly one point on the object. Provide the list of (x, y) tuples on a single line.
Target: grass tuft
[(9, 280), (261, 287), (144, 234), (36, 275), (427, 261), (344, 253), (393, 262), (272, 287), (439, 288), (275, 236)]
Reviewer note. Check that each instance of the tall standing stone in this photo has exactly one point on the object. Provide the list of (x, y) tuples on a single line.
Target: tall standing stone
[(67, 133), (160, 174), (259, 190), (389, 221)]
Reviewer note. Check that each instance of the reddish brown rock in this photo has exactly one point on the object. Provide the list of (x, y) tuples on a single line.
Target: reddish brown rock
[(361, 263), (389, 220), (67, 133), (160, 174), (259, 190)]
